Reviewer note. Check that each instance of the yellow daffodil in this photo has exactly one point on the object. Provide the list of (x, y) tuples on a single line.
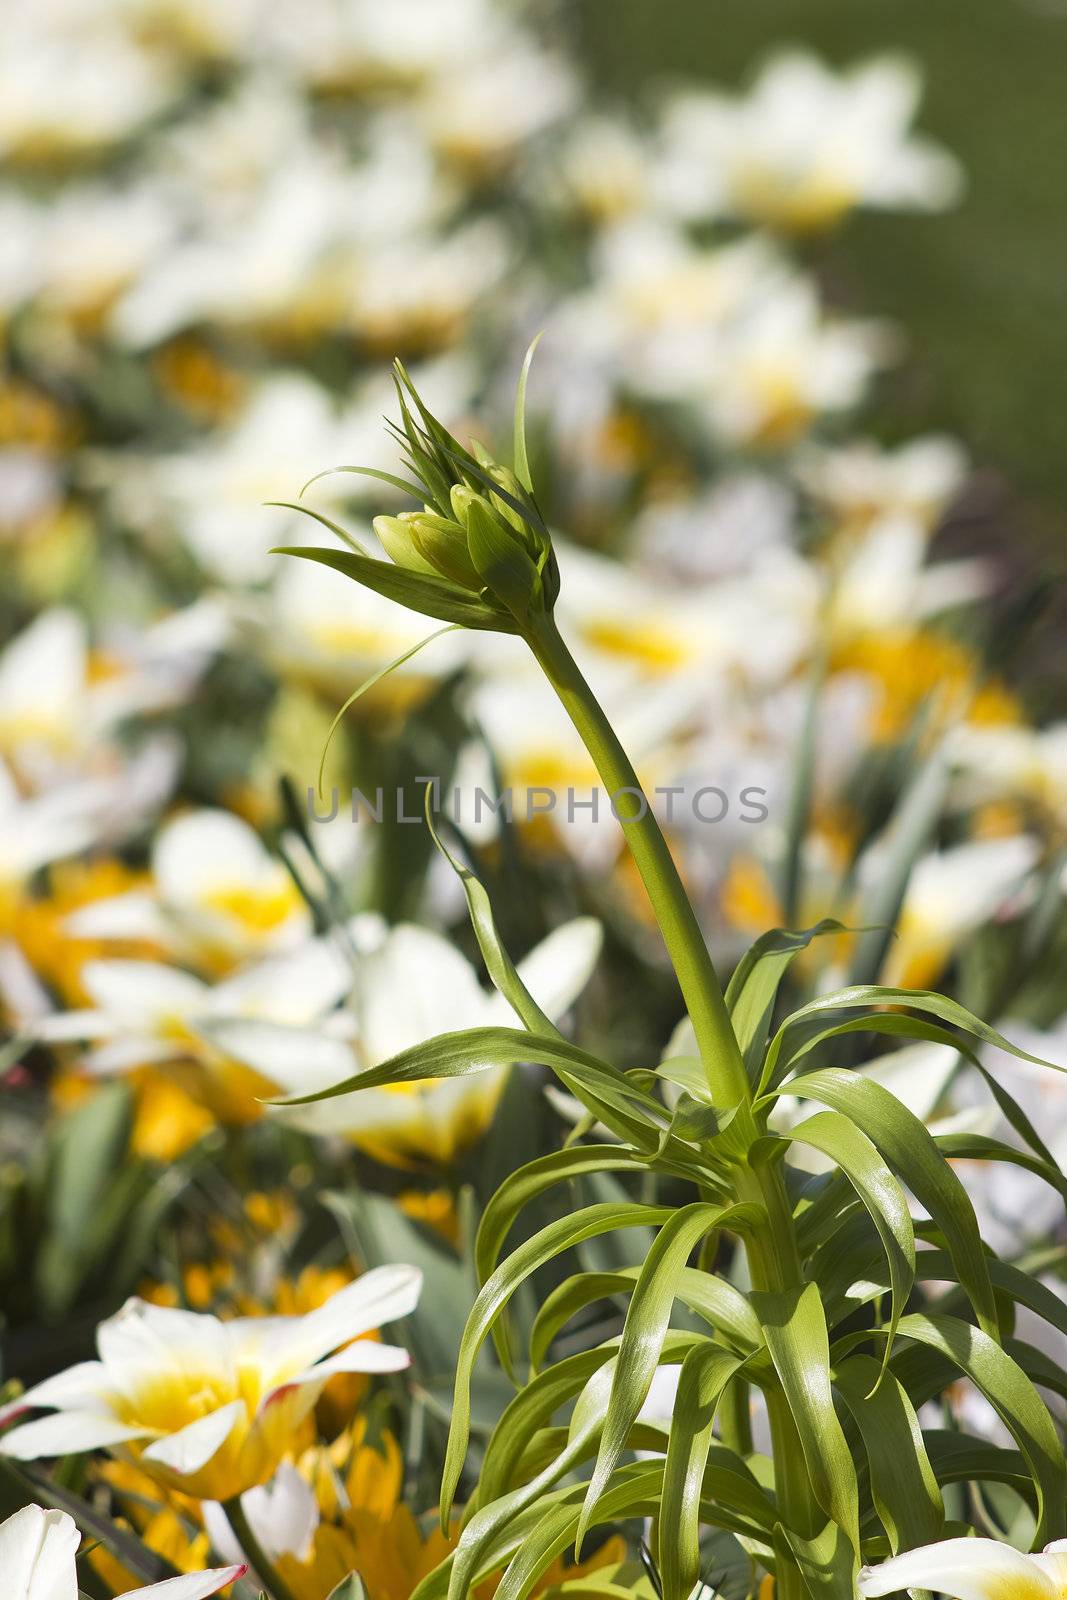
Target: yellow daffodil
[(207, 1407), (37, 1559), (972, 1569)]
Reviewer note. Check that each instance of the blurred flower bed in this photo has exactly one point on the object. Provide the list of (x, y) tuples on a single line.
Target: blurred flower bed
[(219, 220)]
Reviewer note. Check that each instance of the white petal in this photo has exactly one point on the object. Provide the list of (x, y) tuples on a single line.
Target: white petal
[(558, 969), (365, 1355), (143, 990), (81, 1386), (966, 1569), (300, 1060), (193, 1447), (283, 1515), (37, 1550), (204, 849), (67, 1433), (195, 1586), (379, 1296), (414, 986), (122, 916), (142, 1342)]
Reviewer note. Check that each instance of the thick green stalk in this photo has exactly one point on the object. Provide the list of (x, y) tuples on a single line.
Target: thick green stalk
[(774, 1261), (264, 1568), (689, 954)]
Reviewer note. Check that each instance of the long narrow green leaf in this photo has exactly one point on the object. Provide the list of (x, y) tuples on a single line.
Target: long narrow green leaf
[(646, 1326), (522, 462), (794, 1328), (753, 988), (434, 597), (722, 1306), (903, 1483), (838, 1137), (958, 1458), (558, 1236), (1013, 1396), (909, 1147), (704, 1375), (828, 1563)]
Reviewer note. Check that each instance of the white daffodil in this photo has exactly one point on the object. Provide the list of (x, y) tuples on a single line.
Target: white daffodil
[(414, 985), (998, 761), (602, 169), (484, 111), (972, 1569), (951, 893), (367, 46), (804, 146), (109, 87), (218, 896), (283, 1515), (884, 581), (35, 831), (94, 243), (210, 1408), (782, 363), (58, 697), (37, 1559), (861, 484), (144, 1013), (658, 303)]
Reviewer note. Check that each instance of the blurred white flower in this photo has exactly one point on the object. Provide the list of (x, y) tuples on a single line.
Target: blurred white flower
[(997, 761), (218, 896), (860, 483), (950, 893), (804, 146), (409, 988), (209, 1408), (282, 1514), (601, 168), (782, 364), (482, 112), (884, 581), (363, 45), (37, 1557), (94, 242), (36, 831), (70, 92), (58, 698)]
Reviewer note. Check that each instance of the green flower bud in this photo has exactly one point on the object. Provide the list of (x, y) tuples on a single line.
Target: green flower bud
[(443, 544), (395, 537)]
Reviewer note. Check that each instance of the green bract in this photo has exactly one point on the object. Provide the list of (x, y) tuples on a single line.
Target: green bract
[(757, 1278)]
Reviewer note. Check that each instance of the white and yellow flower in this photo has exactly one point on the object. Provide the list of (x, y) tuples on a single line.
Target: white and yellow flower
[(144, 1013), (218, 896), (972, 1569), (860, 483), (58, 698), (950, 894), (805, 146), (37, 1558), (414, 985), (210, 1408), (783, 363)]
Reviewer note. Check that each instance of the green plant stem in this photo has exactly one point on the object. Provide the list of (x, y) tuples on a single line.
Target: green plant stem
[(689, 955), (774, 1261), (264, 1568)]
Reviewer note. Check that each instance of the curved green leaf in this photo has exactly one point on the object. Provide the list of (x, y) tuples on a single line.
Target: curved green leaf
[(557, 1237), (753, 988), (911, 1150), (838, 1137), (794, 1328), (645, 1327), (903, 1483), (434, 597), (704, 1375)]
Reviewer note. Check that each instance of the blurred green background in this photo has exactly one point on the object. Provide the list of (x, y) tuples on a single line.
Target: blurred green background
[(982, 291)]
